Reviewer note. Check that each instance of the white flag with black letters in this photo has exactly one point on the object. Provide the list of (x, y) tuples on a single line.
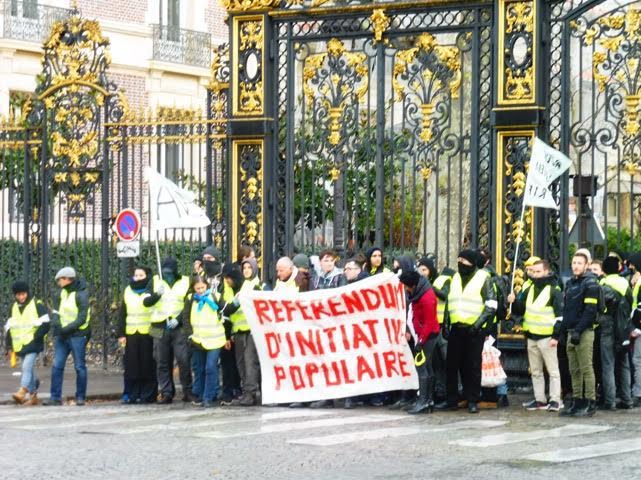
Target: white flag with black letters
[(171, 206), (546, 165)]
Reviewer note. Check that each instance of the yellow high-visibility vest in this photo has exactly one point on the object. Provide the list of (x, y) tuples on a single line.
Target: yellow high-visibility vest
[(635, 295), (238, 318), (465, 305), (68, 310), (539, 317), (23, 325), (288, 285), (440, 307), (616, 283), (138, 316), (208, 329), (171, 302)]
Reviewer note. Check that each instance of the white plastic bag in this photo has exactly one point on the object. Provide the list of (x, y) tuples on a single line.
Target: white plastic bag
[(492, 373)]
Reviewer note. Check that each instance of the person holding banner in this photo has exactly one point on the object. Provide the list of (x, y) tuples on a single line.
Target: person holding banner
[(245, 353), (422, 300), (133, 333), (541, 307), (471, 307), (170, 341), (208, 336)]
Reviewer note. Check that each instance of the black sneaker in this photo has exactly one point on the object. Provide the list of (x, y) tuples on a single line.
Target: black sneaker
[(624, 406), (226, 401), (554, 406), (503, 401), (197, 403), (164, 400), (581, 407), (472, 407), (51, 402), (80, 402)]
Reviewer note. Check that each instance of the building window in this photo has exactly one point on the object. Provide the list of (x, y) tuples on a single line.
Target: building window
[(173, 20), (25, 8)]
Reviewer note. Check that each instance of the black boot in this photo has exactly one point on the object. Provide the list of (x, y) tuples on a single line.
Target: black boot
[(424, 403), (569, 408), (581, 408)]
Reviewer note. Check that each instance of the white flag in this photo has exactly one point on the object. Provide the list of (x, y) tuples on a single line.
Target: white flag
[(171, 206), (546, 165)]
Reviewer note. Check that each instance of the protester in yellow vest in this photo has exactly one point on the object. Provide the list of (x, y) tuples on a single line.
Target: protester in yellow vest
[(133, 333), (170, 340), (542, 312), (244, 346), (208, 336), (471, 307), (70, 326), (26, 329), (289, 277)]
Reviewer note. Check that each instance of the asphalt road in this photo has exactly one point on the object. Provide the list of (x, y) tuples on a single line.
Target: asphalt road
[(179, 441)]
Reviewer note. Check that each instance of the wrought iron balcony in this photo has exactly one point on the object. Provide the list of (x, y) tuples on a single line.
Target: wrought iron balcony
[(29, 20), (177, 45)]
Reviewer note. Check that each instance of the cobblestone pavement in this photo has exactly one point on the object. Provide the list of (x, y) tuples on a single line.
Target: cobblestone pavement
[(110, 440)]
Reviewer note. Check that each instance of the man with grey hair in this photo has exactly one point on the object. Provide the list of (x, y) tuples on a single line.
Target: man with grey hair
[(290, 277), (70, 329)]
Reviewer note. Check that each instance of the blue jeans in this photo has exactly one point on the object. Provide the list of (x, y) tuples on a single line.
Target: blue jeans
[(63, 346), (29, 379), (205, 365)]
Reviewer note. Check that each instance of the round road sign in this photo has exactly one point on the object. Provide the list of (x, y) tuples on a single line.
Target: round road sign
[(128, 225)]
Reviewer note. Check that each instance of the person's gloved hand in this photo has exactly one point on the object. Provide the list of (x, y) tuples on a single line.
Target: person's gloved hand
[(172, 323), (575, 338), (161, 290)]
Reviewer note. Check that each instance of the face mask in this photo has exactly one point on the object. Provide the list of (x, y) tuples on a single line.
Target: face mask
[(212, 267), (539, 282), (138, 284), (169, 276), (465, 270)]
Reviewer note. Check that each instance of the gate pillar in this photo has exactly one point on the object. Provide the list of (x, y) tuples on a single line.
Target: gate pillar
[(517, 118), (251, 117)]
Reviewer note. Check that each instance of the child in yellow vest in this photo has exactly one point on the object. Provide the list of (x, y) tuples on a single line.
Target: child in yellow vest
[(208, 336), (26, 329)]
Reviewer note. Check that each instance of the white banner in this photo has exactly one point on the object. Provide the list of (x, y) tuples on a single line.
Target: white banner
[(333, 343), (171, 206), (546, 165)]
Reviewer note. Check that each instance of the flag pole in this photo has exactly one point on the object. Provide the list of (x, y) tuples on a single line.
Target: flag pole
[(158, 256), (516, 251)]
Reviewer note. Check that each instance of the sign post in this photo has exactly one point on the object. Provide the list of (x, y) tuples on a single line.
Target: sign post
[(128, 225)]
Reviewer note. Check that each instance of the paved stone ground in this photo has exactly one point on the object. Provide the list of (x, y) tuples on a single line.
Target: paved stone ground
[(108, 440)]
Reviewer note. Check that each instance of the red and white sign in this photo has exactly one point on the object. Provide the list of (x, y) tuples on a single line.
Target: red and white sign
[(333, 343), (128, 225)]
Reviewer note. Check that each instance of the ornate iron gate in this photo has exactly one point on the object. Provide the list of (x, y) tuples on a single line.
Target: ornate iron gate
[(75, 156)]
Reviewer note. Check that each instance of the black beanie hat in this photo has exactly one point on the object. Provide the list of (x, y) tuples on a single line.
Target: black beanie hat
[(410, 279), (611, 265), (470, 255), (170, 263), (20, 286)]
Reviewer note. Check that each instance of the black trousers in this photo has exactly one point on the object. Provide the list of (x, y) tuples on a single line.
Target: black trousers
[(140, 368), (231, 377), (173, 345), (464, 355)]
